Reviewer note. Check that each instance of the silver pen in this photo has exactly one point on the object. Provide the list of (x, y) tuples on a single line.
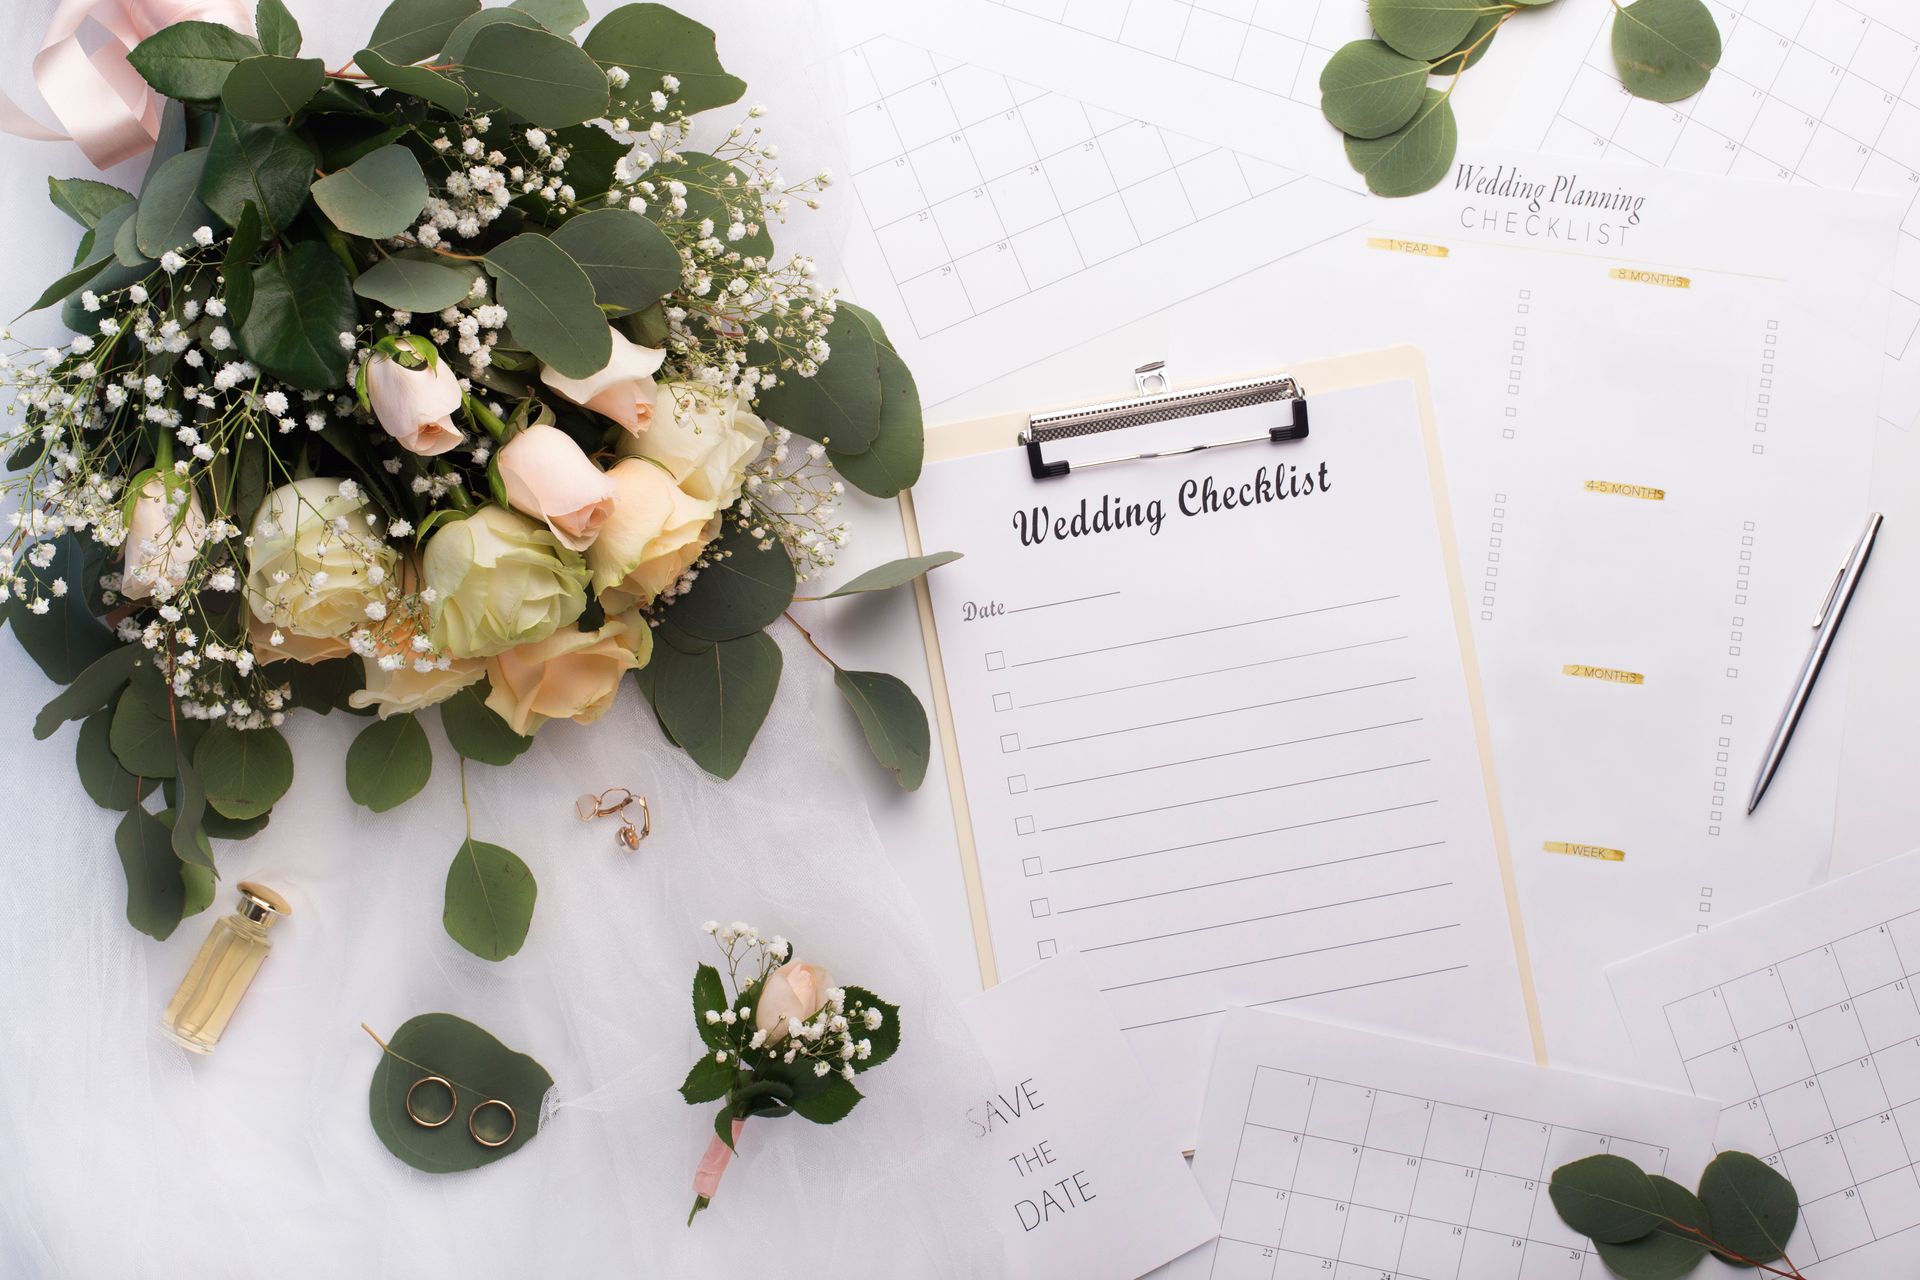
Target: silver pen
[(1826, 626)]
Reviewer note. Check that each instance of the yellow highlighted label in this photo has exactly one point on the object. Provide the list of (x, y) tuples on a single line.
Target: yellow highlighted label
[(1633, 275), (1648, 492), (1612, 675), (1599, 853), (1413, 247)]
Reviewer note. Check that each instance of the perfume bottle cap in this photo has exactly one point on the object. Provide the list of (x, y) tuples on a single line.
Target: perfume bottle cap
[(259, 903)]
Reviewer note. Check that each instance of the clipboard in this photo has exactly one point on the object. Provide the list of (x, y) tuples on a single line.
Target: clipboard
[(1159, 400)]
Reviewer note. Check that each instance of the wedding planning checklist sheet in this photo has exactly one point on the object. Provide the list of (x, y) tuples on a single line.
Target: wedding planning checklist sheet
[(1649, 522), (1216, 719), (1800, 1022), (1333, 1152)]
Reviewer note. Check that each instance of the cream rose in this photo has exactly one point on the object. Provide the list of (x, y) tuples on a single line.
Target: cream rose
[(704, 441), (407, 688), (415, 406), (291, 647), (311, 567), (550, 479), (623, 390), (500, 580), (571, 675), (655, 532), (162, 539), (794, 990)]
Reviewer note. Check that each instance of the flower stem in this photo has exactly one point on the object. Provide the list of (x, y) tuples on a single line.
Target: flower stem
[(811, 642)]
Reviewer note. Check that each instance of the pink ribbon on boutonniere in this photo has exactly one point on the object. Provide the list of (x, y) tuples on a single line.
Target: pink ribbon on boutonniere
[(101, 102), (706, 1179)]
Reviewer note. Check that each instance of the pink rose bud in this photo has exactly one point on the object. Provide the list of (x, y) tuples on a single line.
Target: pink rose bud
[(549, 478), (794, 990), (415, 406), (624, 390), (164, 534)]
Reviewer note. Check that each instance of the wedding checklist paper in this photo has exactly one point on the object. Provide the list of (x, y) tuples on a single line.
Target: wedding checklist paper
[(1090, 1180), (1656, 395), (1217, 728), (1800, 1022), (1332, 1152)]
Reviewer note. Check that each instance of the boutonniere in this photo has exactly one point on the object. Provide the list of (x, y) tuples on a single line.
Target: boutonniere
[(780, 1039)]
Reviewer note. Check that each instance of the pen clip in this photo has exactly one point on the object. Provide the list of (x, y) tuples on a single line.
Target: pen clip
[(1833, 589)]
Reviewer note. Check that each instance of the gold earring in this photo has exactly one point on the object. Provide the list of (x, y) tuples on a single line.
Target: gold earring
[(513, 1123), (453, 1101), (613, 802)]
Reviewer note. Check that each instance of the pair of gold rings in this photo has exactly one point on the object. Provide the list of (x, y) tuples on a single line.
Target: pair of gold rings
[(453, 1107), (612, 803)]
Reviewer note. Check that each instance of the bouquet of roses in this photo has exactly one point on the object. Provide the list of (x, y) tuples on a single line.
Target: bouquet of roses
[(453, 377)]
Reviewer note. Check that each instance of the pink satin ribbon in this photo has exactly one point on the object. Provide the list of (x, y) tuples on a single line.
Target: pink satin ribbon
[(706, 1179), (101, 102)]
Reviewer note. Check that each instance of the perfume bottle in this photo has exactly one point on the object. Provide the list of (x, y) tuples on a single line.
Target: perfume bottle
[(198, 1013)]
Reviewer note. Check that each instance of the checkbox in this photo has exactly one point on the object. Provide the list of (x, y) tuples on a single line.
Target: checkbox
[(1513, 375), (1740, 599), (996, 660), (1746, 555), (1766, 368), (1733, 651), (1761, 412), (1486, 600), (1524, 308), (1713, 831), (1748, 525), (1494, 556), (1720, 771), (1719, 786), (1048, 948), (1765, 398), (1031, 866), (1519, 331), (1494, 542), (1706, 907), (1513, 389), (1512, 412), (1766, 382), (1526, 293), (1486, 586), (1507, 434), (1699, 928), (1009, 743), (1725, 720), (1003, 702), (1516, 361), (1017, 784), (1735, 635), (1485, 615), (1759, 448), (1773, 324), (1499, 526), (1733, 673), (1721, 756), (1041, 908), (1023, 826)]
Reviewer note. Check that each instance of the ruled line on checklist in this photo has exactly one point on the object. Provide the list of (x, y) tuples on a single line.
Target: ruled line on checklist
[(1183, 635), (1215, 671), (1257, 875), (1290, 955), (1250, 835), (1236, 795), (1055, 604), (1223, 755), (1226, 711), (1271, 915), (1304, 995)]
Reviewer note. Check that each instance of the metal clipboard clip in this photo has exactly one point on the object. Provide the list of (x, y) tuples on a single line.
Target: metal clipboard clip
[(1158, 402)]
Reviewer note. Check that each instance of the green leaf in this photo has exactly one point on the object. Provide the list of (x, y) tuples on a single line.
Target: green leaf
[(221, 827), (831, 1102), (1424, 29), (279, 33), (546, 79), (200, 884), (713, 703), (170, 209), (885, 1038), (106, 783), (462, 37), (188, 814), (893, 720), (1668, 1252), (323, 686), (894, 573), (552, 304), (442, 91), (1478, 39), (302, 303), (156, 892), (650, 42), (709, 992), (476, 730), (557, 16), (96, 687), (236, 273), (709, 1081), (142, 735), (410, 30), (1753, 1209), (1665, 49), (743, 590), (67, 283), (269, 88), (1607, 1198), (268, 164), (839, 405), (243, 244), (84, 200), (122, 228), (190, 60), (389, 763), (1413, 157), (1366, 89), (892, 463), (630, 261), (66, 639), (246, 771), (377, 196), (490, 894), (416, 284), (480, 1068)]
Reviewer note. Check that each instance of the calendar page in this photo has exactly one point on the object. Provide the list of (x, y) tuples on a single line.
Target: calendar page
[(1336, 1154), (1801, 1022)]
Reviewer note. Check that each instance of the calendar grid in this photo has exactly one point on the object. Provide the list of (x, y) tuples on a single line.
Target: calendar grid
[(1335, 1177), (1816, 1061)]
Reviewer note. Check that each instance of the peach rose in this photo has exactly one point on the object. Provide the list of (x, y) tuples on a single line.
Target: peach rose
[(571, 675), (623, 390), (415, 406), (407, 688), (549, 478), (164, 534), (291, 646), (793, 991), (655, 533), (704, 441)]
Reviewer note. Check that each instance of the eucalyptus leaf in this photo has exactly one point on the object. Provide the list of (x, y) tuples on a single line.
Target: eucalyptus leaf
[(267, 164), (462, 37), (377, 196), (1473, 46), (106, 783), (156, 893), (409, 30), (630, 261), (124, 228), (713, 703), (142, 735), (170, 208), (1665, 50), (1607, 1198), (489, 903), (200, 883), (839, 405), (302, 303), (190, 60), (892, 463), (66, 639), (1414, 157), (67, 283), (268, 87), (557, 16), (543, 78), (743, 589), (279, 33), (442, 91), (1753, 1209), (1367, 90), (551, 303), (1670, 1250), (893, 720), (426, 285), (894, 573), (84, 200), (1424, 29), (188, 813), (650, 42), (97, 687), (245, 771), (389, 763), (480, 1067), (476, 730)]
